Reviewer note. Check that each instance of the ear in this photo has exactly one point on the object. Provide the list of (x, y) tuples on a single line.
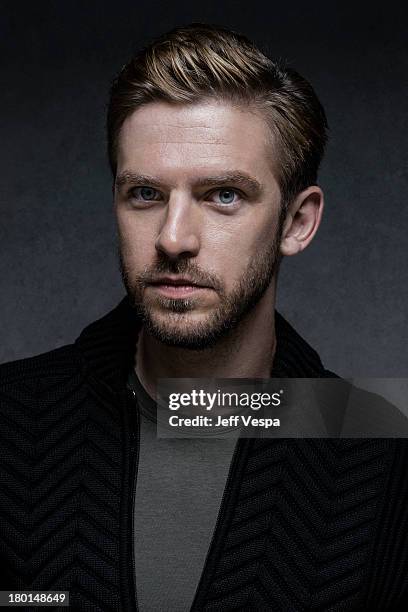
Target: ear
[(302, 220)]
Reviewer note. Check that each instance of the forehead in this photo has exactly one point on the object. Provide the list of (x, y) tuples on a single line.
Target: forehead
[(195, 138)]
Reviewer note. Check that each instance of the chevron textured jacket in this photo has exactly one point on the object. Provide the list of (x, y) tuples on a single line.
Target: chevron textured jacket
[(304, 524)]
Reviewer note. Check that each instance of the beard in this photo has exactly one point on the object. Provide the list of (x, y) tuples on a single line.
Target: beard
[(169, 321)]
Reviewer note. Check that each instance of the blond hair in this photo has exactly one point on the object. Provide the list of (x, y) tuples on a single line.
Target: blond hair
[(199, 62)]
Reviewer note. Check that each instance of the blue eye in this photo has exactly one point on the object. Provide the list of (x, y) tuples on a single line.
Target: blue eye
[(226, 196), (148, 193), (145, 194)]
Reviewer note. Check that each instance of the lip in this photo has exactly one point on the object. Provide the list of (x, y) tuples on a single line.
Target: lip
[(177, 287), (176, 281)]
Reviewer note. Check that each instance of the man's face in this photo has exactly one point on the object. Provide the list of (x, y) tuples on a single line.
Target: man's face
[(198, 212)]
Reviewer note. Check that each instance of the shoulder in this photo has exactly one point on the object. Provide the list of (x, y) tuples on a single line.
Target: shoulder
[(41, 370), (41, 397)]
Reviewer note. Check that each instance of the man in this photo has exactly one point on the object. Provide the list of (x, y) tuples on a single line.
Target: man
[(214, 151)]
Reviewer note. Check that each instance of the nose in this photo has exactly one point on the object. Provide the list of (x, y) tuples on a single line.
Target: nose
[(179, 234)]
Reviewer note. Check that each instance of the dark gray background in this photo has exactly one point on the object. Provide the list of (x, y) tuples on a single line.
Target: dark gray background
[(347, 293)]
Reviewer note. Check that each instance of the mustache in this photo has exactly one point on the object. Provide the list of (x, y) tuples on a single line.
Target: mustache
[(183, 267)]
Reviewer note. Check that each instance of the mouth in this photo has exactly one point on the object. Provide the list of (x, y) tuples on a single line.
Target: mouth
[(177, 287)]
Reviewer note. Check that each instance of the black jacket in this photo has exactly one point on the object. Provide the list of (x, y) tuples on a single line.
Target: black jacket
[(304, 524)]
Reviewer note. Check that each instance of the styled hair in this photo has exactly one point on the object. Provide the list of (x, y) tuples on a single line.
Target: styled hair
[(201, 62)]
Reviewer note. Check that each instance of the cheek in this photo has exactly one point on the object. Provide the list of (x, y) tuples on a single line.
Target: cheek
[(228, 254), (136, 241), (233, 246)]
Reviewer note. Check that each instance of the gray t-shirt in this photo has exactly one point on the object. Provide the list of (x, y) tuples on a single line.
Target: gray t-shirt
[(180, 483)]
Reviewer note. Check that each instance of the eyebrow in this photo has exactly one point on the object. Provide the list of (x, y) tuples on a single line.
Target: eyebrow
[(228, 178)]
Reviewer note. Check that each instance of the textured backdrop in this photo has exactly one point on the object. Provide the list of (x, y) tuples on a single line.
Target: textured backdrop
[(347, 293)]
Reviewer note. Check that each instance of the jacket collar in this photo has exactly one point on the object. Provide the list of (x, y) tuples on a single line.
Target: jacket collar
[(108, 344)]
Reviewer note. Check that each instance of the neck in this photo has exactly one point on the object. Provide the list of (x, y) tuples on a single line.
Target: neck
[(247, 352)]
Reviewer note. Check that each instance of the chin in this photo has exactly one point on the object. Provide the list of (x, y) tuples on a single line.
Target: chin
[(186, 331)]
